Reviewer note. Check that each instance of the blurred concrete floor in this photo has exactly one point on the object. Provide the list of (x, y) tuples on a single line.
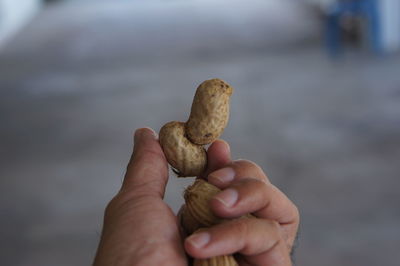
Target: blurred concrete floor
[(76, 83)]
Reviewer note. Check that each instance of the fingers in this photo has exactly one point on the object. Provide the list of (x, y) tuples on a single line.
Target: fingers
[(147, 171), (235, 171), (218, 155), (262, 200), (247, 190), (254, 196), (258, 240)]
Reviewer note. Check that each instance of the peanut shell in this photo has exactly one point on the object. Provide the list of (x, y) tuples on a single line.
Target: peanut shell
[(188, 222), (187, 158), (197, 198), (227, 260), (210, 111)]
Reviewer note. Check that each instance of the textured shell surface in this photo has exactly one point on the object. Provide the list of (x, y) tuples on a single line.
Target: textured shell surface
[(187, 158), (227, 260), (210, 111), (188, 222), (197, 198)]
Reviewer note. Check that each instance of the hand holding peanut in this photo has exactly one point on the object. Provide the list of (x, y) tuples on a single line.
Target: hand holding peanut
[(140, 229), (265, 240), (181, 143)]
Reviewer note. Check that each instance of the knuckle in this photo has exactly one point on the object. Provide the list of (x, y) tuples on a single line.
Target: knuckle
[(251, 190), (242, 227), (249, 168), (122, 203), (273, 225), (269, 228), (272, 228), (112, 206), (296, 213), (246, 163), (258, 235), (118, 203), (251, 183)]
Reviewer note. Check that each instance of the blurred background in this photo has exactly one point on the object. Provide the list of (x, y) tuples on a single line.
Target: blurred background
[(316, 104)]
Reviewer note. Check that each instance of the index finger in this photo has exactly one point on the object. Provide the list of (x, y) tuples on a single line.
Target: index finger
[(236, 171), (254, 193), (218, 155)]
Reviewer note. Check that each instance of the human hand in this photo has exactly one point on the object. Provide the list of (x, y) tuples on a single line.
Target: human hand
[(139, 227), (267, 240)]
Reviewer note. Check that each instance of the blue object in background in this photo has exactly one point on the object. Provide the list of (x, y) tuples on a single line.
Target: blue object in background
[(367, 9)]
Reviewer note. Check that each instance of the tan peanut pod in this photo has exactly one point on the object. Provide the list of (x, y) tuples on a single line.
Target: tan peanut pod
[(210, 111), (197, 197), (188, 222), (187, 158), (227, 260)]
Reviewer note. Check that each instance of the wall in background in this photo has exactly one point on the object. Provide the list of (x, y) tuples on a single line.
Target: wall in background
[(14, 14)]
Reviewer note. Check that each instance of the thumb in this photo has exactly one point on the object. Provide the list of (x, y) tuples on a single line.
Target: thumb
[(147, 171)]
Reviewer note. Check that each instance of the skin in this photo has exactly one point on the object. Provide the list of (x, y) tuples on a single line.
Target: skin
[(141, 229)]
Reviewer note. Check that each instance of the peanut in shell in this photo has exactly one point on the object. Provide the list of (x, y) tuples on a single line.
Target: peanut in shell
[(188, 222), (210, 111), (182, 142), (227, 260), (186, 158), (197, 198)]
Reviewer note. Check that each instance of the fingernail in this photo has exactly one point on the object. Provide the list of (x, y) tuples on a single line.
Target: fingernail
[(139, 133), (224, 175), (153, 132), (199, 240), (228, 197)]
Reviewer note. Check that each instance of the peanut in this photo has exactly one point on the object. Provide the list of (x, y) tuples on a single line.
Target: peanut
[(227, 260), (182, 142), (197, 197), (187, 158), (210, 111), (197, 213), (188, 222)]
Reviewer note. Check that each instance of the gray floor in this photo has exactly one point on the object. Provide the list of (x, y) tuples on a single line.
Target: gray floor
[(76, 83)]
